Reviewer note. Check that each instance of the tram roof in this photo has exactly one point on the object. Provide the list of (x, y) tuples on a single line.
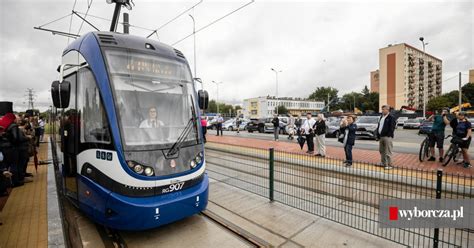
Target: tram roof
[(119, 40)]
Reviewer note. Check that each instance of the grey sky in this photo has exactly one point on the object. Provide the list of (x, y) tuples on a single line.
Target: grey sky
[(315, 43)]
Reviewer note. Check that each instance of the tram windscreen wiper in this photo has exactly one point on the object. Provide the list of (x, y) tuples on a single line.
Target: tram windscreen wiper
[(182, 137)]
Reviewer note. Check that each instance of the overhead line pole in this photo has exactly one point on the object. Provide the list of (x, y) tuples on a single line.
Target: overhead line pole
[(115, 17)]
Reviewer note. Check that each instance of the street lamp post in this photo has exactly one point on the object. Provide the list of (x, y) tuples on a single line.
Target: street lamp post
[(194, 37), (424, 91), (217, 101), (276, 92)]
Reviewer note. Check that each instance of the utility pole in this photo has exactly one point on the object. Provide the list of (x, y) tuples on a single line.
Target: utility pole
[(424, 91), (460, 93), (276, 79), (126, 24), (328, 104), (217, 101), (194, 37)]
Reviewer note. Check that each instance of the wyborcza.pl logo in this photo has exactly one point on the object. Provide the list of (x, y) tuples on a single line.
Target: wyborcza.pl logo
[(411, 214), (426, 213)]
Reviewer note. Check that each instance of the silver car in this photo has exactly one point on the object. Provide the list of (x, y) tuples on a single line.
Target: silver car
[(367, 126)]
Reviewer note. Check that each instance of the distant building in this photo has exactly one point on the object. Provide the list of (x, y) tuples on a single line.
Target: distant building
[(406, 74), (262, 107), (374, 81), (471, 76)]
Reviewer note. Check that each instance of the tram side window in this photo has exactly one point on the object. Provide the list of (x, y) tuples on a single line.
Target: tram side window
[(94, 125)]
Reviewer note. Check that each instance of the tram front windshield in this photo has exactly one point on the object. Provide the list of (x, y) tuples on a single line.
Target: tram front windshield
[(154, 98)]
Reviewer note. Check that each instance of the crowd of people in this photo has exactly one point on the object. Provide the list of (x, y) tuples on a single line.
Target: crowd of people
[(312, 131), (20, 136)]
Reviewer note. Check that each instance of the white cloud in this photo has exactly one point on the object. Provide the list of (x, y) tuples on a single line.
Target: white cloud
[(314, 43)]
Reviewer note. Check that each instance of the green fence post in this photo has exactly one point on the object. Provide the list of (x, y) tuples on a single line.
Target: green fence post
[(439, 184), (271, 176)]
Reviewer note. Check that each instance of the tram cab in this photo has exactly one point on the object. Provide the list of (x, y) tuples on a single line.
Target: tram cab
[(128, 139)]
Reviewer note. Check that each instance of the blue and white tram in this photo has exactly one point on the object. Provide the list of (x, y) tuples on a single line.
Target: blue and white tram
[(128, 139)]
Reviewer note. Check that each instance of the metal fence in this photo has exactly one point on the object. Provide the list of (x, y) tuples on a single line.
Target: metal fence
[(349, 196)]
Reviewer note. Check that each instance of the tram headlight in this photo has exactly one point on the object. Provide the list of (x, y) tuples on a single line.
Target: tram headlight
[(198, 159), (193, 164), (149, 171), (130, 164), (138, 168)]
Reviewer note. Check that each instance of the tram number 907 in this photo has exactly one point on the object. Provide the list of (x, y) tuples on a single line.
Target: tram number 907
[(173, 187)]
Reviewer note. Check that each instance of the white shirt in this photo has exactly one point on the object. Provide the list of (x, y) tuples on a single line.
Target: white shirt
[(151, 123), (41, 123), (307, 125), (381, 122)]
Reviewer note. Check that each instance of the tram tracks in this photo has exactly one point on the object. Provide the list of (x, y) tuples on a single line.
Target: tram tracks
[(246, 236)]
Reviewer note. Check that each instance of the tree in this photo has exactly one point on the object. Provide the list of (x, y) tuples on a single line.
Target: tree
[(439, 103), (321, 93), (468, 92), (212, 107), (282, 110), (365, 91)]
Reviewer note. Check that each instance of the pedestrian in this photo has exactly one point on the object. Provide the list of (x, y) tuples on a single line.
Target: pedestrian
[(348, 129), (463, 131), (220, 120), (385, 133), (204, 128), (238, 121), (41, 124), (436, 136), (298, 123), (26, 148), (14, 137), (291, 128), (320, 134), (307, 130), (276, 126)]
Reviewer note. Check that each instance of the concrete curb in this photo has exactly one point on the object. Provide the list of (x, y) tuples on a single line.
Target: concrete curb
[(55, 227)]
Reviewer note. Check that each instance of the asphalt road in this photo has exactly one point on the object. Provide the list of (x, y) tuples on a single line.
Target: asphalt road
[(406, 140)]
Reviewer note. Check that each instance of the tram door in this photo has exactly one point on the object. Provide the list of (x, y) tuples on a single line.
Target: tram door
[(69, 138), (70, 124)]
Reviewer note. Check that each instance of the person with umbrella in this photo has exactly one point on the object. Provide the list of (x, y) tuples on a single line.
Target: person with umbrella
[(308, 132)]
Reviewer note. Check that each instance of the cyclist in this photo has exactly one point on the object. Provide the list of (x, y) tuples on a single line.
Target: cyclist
[(437, 133), (463, 130)]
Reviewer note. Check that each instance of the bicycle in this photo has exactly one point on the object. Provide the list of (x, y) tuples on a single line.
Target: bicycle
[(424, 149), (453, 150)]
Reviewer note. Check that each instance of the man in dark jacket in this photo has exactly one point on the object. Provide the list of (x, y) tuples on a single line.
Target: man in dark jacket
[(276, 126), (385, 129)]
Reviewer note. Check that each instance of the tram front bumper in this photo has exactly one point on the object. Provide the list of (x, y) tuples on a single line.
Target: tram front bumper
[(141, 213)]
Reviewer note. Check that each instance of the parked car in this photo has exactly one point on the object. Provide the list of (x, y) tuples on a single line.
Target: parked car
[(412, 124), (401, 120), (211, 122), (471, 120), (256, 125), (332, 129), (229, 125), (243, 124), (366, 126), (425, 127)]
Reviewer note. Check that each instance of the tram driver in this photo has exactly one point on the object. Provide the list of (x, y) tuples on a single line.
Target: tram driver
[(152, 121)]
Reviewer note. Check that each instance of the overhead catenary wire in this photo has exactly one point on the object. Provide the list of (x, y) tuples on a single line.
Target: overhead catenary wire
[(173, 19), (106, 19), (70, 20), (85, 16), (213, 22), (53, 21)]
